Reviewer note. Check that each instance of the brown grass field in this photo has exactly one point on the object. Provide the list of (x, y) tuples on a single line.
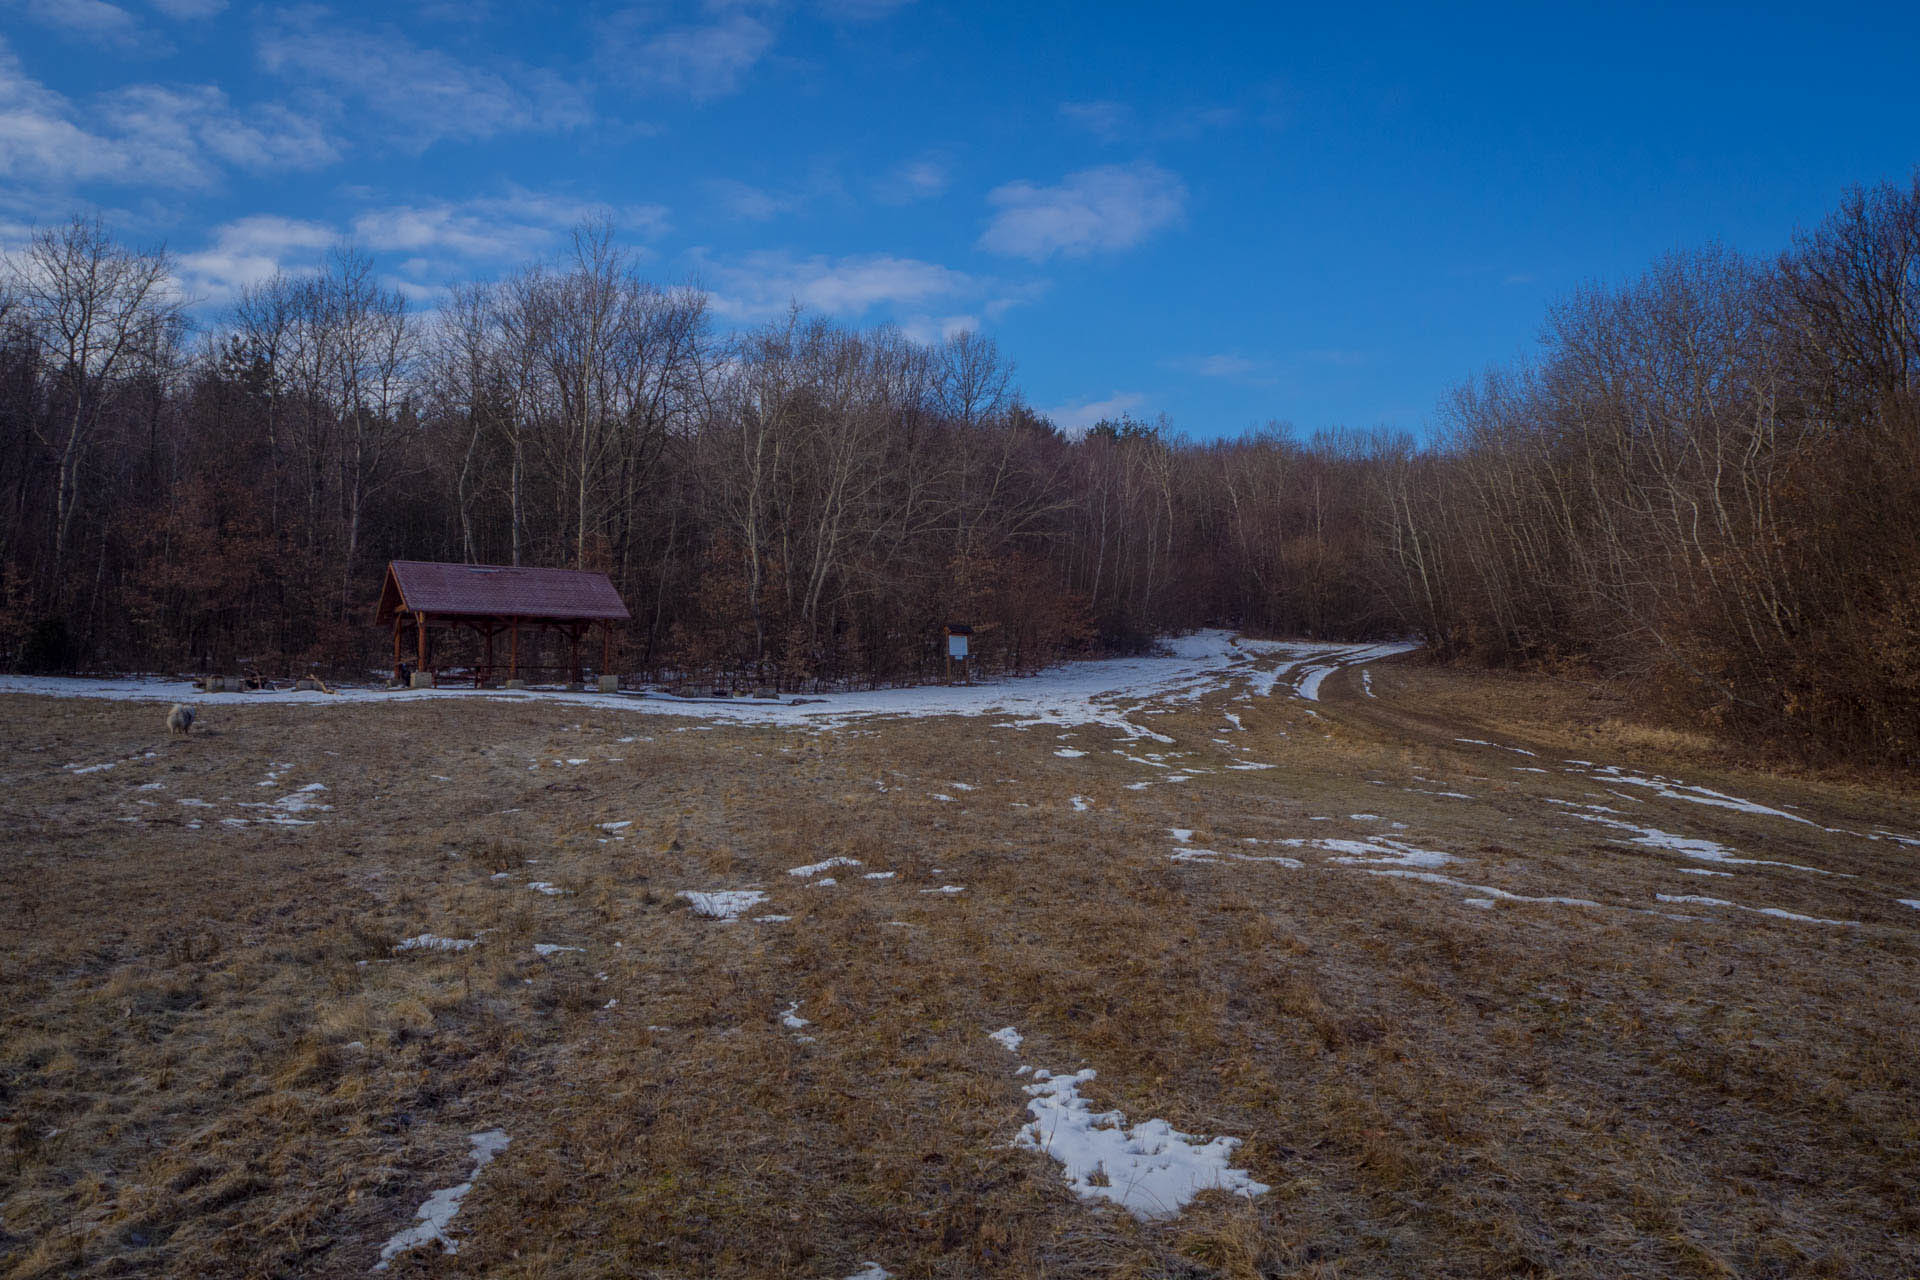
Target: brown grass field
[(213, 1061)]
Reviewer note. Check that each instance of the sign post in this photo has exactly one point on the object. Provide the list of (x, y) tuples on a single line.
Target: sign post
[(957, 635)]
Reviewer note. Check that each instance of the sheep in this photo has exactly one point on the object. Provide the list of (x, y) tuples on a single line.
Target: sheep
[(180, 719)]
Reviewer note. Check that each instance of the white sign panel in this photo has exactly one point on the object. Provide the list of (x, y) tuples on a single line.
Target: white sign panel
[(956, 646)]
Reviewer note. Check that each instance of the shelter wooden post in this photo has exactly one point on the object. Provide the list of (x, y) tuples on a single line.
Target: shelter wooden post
[(420, 619), (609, 678), (513, 650), (397, 626), (486, 672)]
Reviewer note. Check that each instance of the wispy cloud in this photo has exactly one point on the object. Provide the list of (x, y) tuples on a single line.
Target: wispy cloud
[(94, 21), (1095, 210), (920, 179), (249, 250), (1112, 121), (180, 136), (1344, 357), (421, 94), (1103, 118), (762, 285), (182, 119), (702, 61), (1224, 365), (189, 10), (513, 228), (749, 203), (859, 10), (931, 330), (1075, 417), (436, 243)]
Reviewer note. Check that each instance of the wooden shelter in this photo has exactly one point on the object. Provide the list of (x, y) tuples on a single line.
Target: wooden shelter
[(492, 599)]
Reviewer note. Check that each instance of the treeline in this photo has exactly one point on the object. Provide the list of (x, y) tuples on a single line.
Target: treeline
[(796, 504), (1705, 484), (1709, 483)]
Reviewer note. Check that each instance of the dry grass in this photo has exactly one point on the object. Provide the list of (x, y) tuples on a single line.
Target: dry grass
[(214, 1063)]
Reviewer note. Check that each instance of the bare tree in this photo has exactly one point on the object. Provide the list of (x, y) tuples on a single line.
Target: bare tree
[(971, 377), (101, 312)]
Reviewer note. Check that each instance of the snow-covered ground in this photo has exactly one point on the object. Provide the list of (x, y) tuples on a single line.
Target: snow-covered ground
[(1109, 691)]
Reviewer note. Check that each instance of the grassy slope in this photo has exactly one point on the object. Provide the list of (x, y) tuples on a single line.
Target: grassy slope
[(213, 1062)]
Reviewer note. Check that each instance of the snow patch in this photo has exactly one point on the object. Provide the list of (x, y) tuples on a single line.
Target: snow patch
[(433, 942), (1192, 854), (1311, 680), (1669, 789), (1776, 912), (815, 868), (1008, 1038), (1485, 891), (1151, 1169), (1686, 846), (723, 904), (1384, 851), (434, 1216)]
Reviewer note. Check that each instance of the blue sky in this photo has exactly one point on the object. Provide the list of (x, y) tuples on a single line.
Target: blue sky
[(1324, 215)]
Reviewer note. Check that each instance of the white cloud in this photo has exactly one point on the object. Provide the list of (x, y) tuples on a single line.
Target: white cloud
[(426, 246), (1095, 210), (920, 179), (1344, 356), (701, 60), (429, 94), (495, 229), (1103, 118), (93, 20), (1223, 365), (860, 10), (1075, 417), (249, 250), (750, 203), (762, 285), (151, 135), (930, 330), (193, 118), (1112, 121)]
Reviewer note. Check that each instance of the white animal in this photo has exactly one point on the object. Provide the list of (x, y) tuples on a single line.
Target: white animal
[(180, 719)]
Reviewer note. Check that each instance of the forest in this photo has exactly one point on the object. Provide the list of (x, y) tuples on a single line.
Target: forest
[(1704, 485)]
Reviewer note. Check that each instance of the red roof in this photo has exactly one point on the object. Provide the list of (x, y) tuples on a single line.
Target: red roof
[(500, 591)]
